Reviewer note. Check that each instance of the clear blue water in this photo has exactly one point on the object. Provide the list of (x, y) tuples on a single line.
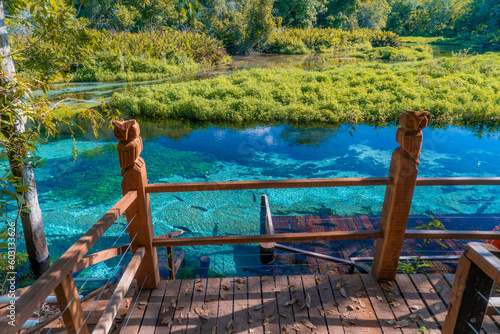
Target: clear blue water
[(74, 194)]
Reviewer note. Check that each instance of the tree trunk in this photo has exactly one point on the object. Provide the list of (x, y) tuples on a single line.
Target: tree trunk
[(36, 244)]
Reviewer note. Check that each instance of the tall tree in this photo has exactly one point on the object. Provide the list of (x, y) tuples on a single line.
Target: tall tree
[(13, 129)]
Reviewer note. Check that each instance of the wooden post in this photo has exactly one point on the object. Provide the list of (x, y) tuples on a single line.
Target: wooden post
[(139, 213), (478, 268), (67, 294), (267, 249), (398, 195)]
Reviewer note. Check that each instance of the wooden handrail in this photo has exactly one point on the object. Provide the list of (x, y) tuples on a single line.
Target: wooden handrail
[(315, 183), (478, 268), (318, 236), (43, 286), (100, 256), (458, 181), (106, 320), (267, 184), (261, 238)]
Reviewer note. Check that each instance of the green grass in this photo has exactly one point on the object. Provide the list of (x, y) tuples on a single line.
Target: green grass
[(413, 53), (462, 91)]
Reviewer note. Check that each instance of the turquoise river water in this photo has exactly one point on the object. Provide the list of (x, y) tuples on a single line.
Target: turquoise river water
[(74, 194)]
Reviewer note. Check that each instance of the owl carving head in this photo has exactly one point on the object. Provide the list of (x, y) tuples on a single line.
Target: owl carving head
[(126, 130), (414, 120)]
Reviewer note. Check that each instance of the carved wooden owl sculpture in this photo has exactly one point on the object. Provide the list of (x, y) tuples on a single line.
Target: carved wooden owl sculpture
[(130, 145), (409, 135)]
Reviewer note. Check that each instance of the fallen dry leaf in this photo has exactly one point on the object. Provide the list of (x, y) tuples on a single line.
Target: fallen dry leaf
[(164, 310), (187, 291), (223, 296), (241, 280), (344, 324), (282, 315), (232, 330), (208, 300), (321, 312), (318, 280), (284, 330), (342, 292), (229, 323), (308, 324), (173, 303), (199, 287), (167, 321), (291, 302), (214, 330)]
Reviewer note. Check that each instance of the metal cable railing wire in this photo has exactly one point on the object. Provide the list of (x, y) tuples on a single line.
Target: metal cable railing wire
[(104, 287), (113, 245), (135, 303)]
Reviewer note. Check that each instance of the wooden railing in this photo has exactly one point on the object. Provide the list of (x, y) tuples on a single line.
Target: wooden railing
[(399, 184), (478, 268)]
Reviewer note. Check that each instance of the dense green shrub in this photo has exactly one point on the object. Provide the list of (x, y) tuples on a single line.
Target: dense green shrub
[(385, 38), (460, 90), (126, 56), (302, 41), (413, 53)]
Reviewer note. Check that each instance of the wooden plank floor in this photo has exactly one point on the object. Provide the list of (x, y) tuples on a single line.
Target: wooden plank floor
[(308, 303)]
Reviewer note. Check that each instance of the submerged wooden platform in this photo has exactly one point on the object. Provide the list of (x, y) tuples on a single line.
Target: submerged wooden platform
[(288, 304), (346, 249)]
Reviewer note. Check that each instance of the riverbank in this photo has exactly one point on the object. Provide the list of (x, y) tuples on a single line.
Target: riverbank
[(461, 90)]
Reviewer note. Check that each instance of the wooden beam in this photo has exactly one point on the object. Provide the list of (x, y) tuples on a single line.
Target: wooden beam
[(266, 184), (486, 257), (170, 234), (267, 249), (493, 306), (69, 301), (100, 256), (106, 320), (468, 299), (43, 286), (451, 234), (458, 181), (398, 195), (281, 237), (140, 224)]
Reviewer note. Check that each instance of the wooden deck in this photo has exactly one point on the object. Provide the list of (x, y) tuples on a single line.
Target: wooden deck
[(319, 304)]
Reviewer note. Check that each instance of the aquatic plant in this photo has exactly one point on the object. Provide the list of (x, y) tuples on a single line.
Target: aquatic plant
[(101, 181), (461, 90), (413, 265)]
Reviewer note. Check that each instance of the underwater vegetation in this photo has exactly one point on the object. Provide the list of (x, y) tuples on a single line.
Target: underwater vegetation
[(462, 90), (96, 172)]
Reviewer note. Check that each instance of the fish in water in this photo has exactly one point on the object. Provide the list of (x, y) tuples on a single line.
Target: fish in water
[(198, 207), (178, 198), (357, 253), (254, 197), (286, 230), (185, 229), (326, 224), (215, 231)]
